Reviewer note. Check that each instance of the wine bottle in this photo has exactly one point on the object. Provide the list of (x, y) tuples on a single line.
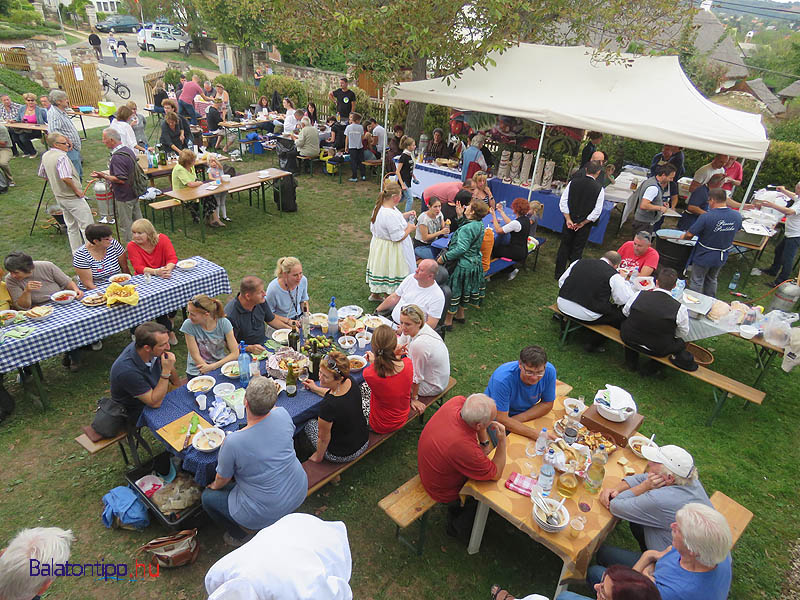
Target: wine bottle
[(291, 381), (294, 338)]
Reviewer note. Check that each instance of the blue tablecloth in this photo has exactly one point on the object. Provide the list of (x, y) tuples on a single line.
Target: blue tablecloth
[(304, 406), (74, 325)]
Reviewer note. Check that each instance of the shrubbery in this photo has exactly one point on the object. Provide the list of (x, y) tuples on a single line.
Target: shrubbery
[(19, 83), (240, 93), (173, 76), (362, 103), (286, 88)]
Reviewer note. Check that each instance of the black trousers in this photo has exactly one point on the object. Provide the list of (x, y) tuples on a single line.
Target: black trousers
[(24, 140), (357, 162), (571, 248)]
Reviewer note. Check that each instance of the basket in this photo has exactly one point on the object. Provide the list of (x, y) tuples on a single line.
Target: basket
[(701, 355)]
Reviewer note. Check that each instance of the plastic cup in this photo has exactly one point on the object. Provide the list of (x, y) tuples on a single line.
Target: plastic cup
[(147, 277), (239, 408), (362, 342), (201, 401), (576, 527), (325, 327), (255, 368)]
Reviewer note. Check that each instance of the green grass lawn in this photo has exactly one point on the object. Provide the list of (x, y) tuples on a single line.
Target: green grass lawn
[(72, 39), (47, 479), (195, 59)]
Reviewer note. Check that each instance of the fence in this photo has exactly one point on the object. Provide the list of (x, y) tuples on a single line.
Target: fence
[(14, 58), (84, 92), (150, 82)]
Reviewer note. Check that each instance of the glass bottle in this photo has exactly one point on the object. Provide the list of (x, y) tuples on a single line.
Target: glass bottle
[(294, 338), (316, 358), (567, 481), (291, 380)]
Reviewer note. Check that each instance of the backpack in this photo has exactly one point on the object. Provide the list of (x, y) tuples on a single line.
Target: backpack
[(138, 180)]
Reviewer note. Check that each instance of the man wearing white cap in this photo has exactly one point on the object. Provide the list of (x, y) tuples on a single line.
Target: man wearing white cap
[(649, 501)]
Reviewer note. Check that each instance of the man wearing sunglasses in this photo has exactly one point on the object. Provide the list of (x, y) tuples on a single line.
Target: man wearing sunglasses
[(523, 390)]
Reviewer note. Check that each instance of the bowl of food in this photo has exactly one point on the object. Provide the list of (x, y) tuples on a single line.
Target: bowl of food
[(356, 363), (364, 337), (347, 342), (748, 331), (351, 325), (231, 369), (278, 363), (373, 321), (636, 442), (561, 515), (570, 404), (318, 319), (208, 440), (64, 296), (223, 389), (281, 336), (38, 313), (186, 264), (120, 278), (644, 283), (200, 384), (6, 316)]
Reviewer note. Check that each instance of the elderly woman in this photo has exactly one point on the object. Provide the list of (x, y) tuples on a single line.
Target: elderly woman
[(466, 279), (481, 190), (34, 115), (438, 148), (99, 258), (175, 132), (259, 479), (183, 176), (391, 253), (210, 341), (121, 125), (389, 378), (208, 89), (340, 434), (159, 95), (307, 141), (287, 294), (518, 230), (474, 155), (430, 226), (429, 355), (137, 123)]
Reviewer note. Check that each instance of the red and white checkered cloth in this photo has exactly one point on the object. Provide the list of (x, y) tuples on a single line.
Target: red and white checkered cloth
[(522, 484)]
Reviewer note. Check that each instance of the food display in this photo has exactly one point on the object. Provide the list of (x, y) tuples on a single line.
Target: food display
[(122, 294), (323, 343), (201, 384), (566, 453), (563, 423), (93, 299), (594, 439), (186, 265), (39, 312), (350, 325), (278, 363), (318, 319), (119, 278)]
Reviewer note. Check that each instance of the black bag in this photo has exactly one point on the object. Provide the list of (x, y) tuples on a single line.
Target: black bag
[(110, 418), (286, 199), (229, 170), (287, 155)]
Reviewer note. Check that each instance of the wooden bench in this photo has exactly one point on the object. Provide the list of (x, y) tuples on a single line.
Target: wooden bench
[(722, 385), (373, 167), (738, 516), (168, 204), (309, 160), (322, 472), (100, 445), (502, 264), (407, 504)]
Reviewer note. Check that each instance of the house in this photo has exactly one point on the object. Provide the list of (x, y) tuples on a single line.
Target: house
[(789, 92), (758, 89)]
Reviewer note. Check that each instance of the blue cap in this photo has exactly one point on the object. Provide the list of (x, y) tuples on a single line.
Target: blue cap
[(333, 300)]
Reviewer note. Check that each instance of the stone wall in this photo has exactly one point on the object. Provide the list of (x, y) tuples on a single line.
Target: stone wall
[(315, 78), (42, 56), (91, 15)]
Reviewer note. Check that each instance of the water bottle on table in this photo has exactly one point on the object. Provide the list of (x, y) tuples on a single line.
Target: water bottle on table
[(546, 477), (541, 442), (333, 318), (244, 365)]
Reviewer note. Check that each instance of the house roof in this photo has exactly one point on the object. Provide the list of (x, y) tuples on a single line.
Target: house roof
[(790, 91), (709, 31), (763, 93)]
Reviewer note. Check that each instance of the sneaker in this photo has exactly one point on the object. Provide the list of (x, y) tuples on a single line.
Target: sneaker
[(513, 274), (353, 179), (103, 220), (232, 541), (226, 219), (35, 155), (12, 184), (111, 221), (363, 178), (97, 346)]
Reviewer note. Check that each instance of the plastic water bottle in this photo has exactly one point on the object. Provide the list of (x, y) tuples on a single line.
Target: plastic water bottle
[(547, 475), (550, 457), (575, 417), (333, 318), (735, 281), (249, 114), (677, 291), (190, 145), (244, 365), (541, 442)]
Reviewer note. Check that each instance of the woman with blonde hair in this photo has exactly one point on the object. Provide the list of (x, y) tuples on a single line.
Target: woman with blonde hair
[(340, 434), (389, 378), (159, 95), (29, 113), (481, 189), (209, 336), (466, 279), (429, 355), (287, 294), (183, 176), (391, 252)]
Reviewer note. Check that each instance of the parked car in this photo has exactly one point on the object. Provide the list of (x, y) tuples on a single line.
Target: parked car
[(156, 41), (119, 23), (172, 30)]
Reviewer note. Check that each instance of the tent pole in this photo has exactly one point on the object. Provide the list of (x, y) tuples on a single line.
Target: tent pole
[(536, 164), (385, 134), (752, 181)]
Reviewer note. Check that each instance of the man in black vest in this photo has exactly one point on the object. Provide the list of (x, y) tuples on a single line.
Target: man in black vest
[(592, 291), (581, 204), (655, 322)]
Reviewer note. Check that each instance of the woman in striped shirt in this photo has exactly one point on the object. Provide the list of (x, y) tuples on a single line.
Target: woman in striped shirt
[(100, 257)]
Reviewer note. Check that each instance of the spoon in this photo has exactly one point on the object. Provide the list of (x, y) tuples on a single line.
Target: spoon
[(552, 519)]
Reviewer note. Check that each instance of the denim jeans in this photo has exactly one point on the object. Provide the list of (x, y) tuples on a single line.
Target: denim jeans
[(184, 108), (75, 157), (607, 556), (426, 251), (409, 198), (704, 279), (784, 258), (215, 503), (571, 596)]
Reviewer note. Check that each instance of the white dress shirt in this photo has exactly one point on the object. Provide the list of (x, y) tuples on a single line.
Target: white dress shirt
[(681, 319), (563, 204), (621, 292), (430, 359)]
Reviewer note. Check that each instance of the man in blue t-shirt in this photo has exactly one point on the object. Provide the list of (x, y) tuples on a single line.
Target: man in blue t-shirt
[(523, 390), (715, 231), (698, 202)]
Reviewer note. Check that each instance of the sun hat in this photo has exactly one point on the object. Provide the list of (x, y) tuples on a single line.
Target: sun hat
[(675, 458)]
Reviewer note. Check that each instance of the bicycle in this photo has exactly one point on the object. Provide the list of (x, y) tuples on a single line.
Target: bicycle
[(119, 88)]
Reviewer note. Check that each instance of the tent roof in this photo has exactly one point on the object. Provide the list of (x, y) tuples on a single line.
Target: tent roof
[(647, 98)]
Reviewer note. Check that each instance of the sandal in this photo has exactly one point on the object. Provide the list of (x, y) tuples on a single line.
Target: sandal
[(496, 589)]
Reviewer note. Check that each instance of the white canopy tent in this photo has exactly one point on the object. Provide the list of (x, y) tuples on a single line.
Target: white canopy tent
[(641, 97)]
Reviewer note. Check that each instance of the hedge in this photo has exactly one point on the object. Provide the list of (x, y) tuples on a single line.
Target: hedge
[(173, 76), (240, 93), (20, 84), (286, 88)]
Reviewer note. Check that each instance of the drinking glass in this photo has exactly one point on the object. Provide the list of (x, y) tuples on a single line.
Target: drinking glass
[(530, 449), (303, 374)]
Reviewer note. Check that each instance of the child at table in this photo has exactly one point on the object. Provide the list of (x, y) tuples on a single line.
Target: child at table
[(215, 171), (209, 336)]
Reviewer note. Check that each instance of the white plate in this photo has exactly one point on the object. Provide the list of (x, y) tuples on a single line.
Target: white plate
[(317, 319), (350, 311), (186, 265), (227, 366), (570, 403), (281, 336), (206, 381), (119, 276), (212, 187), (4, 313), (48, 311), (217, 434), (69, 293), (373, 321)]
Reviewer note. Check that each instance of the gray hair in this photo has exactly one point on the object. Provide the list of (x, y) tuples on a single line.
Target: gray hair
[(206, 82), (613, 257), (113, 134), (645, 235), (478, 140), (261, 395), (305, 121), (45, 544), (18, 261), (477, 409), (705, 532), (678, 480), (57, 95)]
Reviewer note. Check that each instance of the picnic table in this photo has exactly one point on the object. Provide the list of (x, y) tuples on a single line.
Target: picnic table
[(518, 509), (40, 127), (76, 112), (180, 401)]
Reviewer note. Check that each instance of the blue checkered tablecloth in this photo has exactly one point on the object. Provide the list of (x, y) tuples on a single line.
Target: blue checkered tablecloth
[(304, 406), (74, 325)]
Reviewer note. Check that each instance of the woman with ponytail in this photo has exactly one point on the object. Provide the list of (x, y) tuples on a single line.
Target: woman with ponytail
[(209, 336), (391, 252)]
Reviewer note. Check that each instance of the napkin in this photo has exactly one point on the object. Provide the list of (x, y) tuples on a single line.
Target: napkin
[(221, 414), (19, 332), (522, 484)]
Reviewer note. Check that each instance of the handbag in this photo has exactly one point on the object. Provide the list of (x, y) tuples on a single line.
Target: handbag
[(110, 418), (174, 550)]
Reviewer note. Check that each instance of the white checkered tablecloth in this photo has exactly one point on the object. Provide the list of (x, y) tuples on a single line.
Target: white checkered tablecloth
[(74, 325)]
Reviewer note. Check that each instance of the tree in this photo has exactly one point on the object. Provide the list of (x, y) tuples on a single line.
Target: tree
[(448, 36)]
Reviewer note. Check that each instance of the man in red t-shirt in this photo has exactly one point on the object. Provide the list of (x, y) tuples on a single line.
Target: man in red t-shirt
[(186, 99), (446, 191), (639, 254), (453, 447), (733, 174)]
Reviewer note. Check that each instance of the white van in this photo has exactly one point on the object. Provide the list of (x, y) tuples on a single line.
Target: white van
[(161, 36)]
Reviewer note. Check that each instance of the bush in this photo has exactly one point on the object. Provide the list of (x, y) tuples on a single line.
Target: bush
[(240, 93), (780, 167), (786, 131), (286, 88), (173, 76), (19, 83), (363, 105), (25, 17)]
